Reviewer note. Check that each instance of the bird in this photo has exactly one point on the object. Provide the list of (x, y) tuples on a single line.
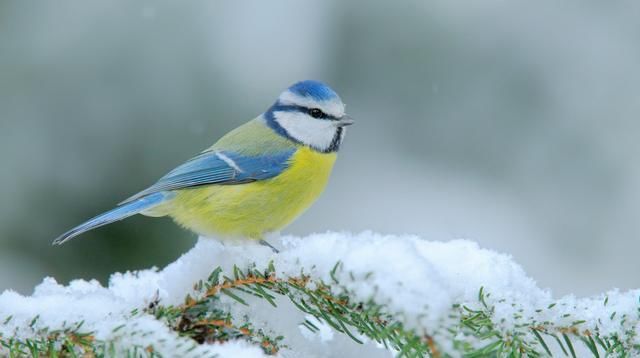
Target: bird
[(256, 179)]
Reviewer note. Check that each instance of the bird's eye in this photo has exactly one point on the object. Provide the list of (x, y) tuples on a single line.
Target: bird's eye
[(316, 113)]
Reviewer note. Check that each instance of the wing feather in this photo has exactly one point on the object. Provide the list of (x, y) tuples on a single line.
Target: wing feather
[(221, 168)]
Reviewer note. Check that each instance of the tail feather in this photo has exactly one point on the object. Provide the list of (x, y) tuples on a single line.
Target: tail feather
[(117, 214)]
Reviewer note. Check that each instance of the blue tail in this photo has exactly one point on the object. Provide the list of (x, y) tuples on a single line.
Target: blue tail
[(117, 214)]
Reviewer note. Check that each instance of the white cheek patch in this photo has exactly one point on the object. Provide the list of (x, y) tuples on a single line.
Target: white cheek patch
[(317, 133)]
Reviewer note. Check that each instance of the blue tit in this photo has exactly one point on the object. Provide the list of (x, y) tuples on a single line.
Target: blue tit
[(256, 179)]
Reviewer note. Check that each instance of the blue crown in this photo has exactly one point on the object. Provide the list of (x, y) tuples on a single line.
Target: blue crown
[(314, 89)]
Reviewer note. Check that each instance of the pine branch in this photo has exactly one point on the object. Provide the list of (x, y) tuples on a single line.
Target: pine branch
[(472, 329)]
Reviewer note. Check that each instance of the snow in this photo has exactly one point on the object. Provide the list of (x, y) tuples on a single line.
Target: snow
[(417, 280)]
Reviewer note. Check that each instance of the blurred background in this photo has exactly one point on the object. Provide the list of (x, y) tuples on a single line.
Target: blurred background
[(513, 124)]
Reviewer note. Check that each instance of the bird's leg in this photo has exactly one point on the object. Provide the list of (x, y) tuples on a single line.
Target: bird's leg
[(264, 243)]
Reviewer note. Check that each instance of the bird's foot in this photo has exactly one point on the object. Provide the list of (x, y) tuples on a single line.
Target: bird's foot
[(264, 243)]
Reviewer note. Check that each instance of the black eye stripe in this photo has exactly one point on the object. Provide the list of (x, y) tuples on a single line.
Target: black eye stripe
[(319, 114), (316, 113), (302, 109)]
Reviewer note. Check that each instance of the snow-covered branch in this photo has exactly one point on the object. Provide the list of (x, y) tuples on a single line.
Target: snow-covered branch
[(324, 295)]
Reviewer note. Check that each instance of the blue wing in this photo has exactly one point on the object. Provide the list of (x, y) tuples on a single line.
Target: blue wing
[(222, 168)]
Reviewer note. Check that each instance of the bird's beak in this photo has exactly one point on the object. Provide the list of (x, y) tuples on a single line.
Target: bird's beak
[(345, 121)]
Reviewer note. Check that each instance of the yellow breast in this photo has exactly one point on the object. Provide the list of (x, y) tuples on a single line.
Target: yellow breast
[(253, 209)]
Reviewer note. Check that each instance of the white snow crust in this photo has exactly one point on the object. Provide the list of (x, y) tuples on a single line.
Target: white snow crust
[(417, 280)]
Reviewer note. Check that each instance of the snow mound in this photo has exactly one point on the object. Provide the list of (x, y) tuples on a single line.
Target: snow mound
[(418, 281)]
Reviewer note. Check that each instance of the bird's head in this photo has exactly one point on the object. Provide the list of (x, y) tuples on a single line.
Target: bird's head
[(310, 113)]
